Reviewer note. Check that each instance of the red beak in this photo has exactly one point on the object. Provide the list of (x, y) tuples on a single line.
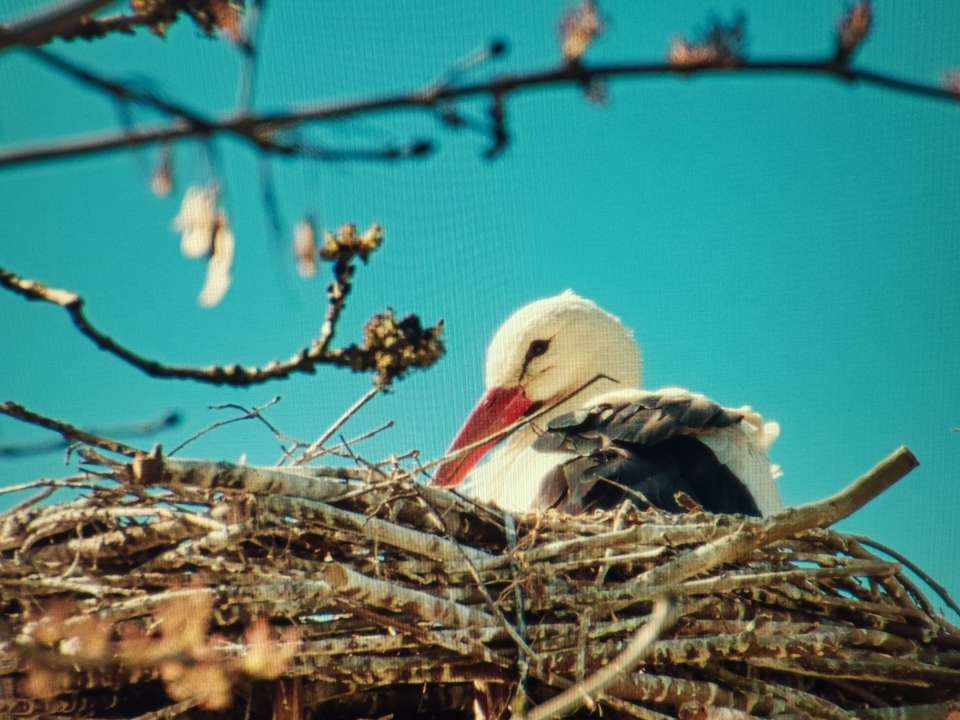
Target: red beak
[(496, 410)]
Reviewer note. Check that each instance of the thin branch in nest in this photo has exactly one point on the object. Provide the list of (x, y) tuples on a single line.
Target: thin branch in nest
[(67, 431), (906, 562), (28, 502), (413, 541), (146, 427), (492, 606), (314, 450), (661, 618), (257, 414), (510, 429), (390, 347), (519, 703), (467, 646), (170, 711), (247, 415)]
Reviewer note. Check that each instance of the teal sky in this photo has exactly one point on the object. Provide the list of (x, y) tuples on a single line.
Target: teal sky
[(787, 242)]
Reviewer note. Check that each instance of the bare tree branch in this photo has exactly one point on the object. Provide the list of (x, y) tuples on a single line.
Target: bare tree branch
[(126, 92), (73, 20), (262, 129), (201, 126), (390, 347)]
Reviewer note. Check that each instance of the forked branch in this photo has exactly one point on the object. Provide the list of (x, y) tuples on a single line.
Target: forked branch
[(389, 348)]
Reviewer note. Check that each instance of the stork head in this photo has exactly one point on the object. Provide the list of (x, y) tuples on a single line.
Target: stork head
[(542, 355)]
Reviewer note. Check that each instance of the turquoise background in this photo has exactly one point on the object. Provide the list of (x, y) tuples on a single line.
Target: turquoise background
[(788, 242)]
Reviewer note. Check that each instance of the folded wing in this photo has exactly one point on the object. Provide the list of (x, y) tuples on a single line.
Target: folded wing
[(651, 445)]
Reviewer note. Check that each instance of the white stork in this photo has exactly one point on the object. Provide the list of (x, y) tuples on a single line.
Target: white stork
[(596, 442)]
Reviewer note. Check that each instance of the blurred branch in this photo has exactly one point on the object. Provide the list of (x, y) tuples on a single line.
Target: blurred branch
[(67, 431), (125, 92), (195, 124), (250, 48), (389, 348), (143, 428), (43, 26), (73, 20), (262, 129)]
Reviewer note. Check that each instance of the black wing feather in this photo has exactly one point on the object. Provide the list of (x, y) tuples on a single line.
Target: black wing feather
[(643, 451)]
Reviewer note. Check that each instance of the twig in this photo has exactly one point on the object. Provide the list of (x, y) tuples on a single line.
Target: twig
[(257, 414), (311, 452), (510, 429), (492, 606), (468, 646), (67, 431), (46, 24), (124, 92), (906, 562), (660, 619), (248, 414), (249, 48), (148, 427), (74, 481), (798, 699), (365, 435), (27, 502), (426, 607), (413, 541), (519, 704)]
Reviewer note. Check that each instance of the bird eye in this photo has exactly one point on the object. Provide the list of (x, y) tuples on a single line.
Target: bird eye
[(539, 347)]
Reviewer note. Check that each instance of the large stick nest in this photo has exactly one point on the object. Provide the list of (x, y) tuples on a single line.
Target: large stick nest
[(171, 586)]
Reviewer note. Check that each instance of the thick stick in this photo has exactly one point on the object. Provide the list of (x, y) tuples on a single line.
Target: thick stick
[(784, 524)]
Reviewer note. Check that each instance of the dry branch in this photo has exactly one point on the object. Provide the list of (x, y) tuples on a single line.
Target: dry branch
[(263, 129), (390, 347)]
